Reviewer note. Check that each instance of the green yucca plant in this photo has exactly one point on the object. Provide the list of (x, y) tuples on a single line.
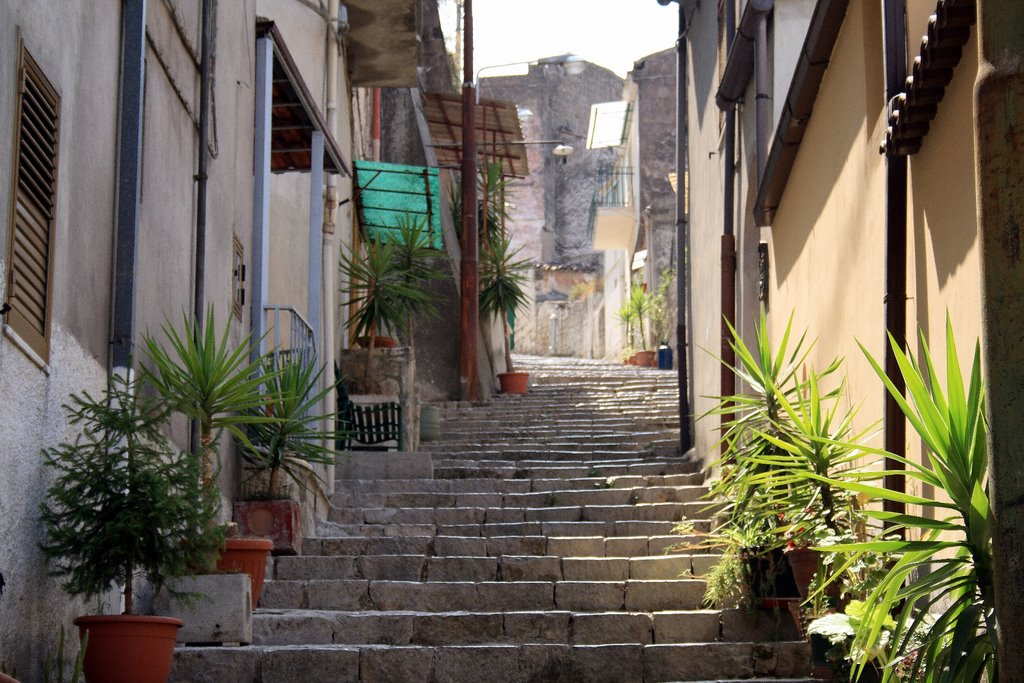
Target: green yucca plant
[(939, 583), (206, 379), (502, 278), (291, 441)]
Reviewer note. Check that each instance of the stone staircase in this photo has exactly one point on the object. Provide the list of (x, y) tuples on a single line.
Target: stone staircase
[(531, 543)]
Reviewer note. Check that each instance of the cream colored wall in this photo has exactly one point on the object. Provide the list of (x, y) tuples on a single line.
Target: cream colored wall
[(705, 216), (944, 271), (827, 239)]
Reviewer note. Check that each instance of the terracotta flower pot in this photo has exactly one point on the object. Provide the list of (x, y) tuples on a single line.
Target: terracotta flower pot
[(247, 555), (646, 359), (513, 382), (4, 678), (378, 343), (128, 649), (804, 563)]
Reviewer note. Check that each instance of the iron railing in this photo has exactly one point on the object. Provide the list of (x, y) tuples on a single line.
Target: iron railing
[(614, 188), (289, 335)]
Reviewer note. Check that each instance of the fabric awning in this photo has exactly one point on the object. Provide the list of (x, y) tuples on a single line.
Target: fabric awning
[(499, 137), (388, 194)]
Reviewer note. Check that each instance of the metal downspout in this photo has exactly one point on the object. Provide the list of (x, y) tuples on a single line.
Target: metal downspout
[(129, 174), (999, 164), (727, 379), (895, 301), (682, 241), (763, 96), (206, 47), (328, 351)]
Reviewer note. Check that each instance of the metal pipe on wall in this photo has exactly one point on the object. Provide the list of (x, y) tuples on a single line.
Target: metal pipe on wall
[(895, 301), (205, 50), (129, 175), (330, 260), (762, 96), (727, 379)]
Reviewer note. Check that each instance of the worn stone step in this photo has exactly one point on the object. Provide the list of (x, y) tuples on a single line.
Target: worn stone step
[(593, 596), (494, 546), (683, 484), (594, 495), (404, 627), (513, 663), (454, 516), (421, 567)]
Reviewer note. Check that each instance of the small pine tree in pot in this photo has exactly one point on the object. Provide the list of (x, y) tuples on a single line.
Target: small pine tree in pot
[(125, 503)]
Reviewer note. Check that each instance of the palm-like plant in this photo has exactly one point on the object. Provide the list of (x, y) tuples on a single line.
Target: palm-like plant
[(292, 440), (207, 379), (502, 278), (413, 256), (946, 566)]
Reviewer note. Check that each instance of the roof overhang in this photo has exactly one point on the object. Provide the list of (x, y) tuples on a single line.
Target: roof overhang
[(815, 54), (383, 42), (739, 65), (295, 115), (912, 111), (499, 136)]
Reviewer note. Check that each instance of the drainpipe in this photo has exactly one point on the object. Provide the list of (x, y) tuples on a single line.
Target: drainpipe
[(762, 85), (205, 49), (895, 301), (469, 319), (375, 124), (998, 94), (727, 378), (129, 175), (329, 257)]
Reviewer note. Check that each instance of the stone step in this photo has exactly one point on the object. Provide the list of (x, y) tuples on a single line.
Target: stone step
[(408, 627), (594, 495), (513, 663), (590, 596), (495, 546), (458, 516), (533, 528), (460, 468), (512, 486), (404, 627), (422, 567)]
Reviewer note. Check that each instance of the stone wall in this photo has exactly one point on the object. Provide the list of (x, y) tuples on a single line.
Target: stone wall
[(391, 377)]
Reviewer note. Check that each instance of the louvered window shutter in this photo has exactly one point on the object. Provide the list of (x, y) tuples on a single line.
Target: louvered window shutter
[(30, 254)]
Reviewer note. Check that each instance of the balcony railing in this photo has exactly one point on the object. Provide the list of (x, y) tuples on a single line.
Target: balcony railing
[(614, 188), (289, 335)]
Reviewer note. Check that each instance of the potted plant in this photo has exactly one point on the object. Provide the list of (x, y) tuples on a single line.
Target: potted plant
[(285, 450), (125, 504), (383, 294), (219, 385), (634, 312), (502, 277)]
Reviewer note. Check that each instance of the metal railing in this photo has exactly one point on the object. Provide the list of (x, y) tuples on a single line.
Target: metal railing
[(614, 188), (289, 335)]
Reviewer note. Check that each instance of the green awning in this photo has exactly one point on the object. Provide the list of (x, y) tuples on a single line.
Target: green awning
[(389, 193)]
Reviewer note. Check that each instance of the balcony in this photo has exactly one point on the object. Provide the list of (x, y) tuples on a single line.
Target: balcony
[(615, 223)]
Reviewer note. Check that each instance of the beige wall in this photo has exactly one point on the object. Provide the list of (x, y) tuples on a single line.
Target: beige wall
[(828, 236)]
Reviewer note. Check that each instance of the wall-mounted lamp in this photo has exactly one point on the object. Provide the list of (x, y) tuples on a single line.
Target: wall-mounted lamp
[(342, 20), (562, 150)]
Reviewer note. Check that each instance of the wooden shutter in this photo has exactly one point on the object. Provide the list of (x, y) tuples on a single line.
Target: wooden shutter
[(30, 253)]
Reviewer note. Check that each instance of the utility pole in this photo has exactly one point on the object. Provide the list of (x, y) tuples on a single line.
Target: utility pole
[(682, 239), (469, 317), (999, 160)]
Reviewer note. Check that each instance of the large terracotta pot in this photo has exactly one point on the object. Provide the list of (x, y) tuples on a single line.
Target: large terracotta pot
[(646, 359), (513, 382), (804, 563), (278, 520), (128, 649), (247, 555)]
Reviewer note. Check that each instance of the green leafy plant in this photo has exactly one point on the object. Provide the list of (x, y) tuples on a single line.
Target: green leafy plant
[(292, 441), (840, 630), (659, 305), (414, 259), (125, 502), (207, 379), (939, 583), (502, 280), (634, 312)]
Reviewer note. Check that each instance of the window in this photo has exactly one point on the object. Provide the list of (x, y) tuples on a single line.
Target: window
[(33, 205)]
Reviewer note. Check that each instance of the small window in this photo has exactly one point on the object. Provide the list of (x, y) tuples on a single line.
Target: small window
[(237, 276), (33, 206)]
